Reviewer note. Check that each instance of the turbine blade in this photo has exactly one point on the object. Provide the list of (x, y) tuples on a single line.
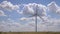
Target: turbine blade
[(32, 16), (42, 19)]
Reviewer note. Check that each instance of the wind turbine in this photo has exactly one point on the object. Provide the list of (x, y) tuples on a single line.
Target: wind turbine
[(36, 14)]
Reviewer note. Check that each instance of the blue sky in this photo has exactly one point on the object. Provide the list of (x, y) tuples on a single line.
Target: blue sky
[(12, 13), (44, 2)]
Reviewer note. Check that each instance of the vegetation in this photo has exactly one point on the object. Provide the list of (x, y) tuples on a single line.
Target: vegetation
[(29, 32)]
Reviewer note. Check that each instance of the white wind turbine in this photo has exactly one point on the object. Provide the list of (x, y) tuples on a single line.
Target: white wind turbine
[(35, 14)]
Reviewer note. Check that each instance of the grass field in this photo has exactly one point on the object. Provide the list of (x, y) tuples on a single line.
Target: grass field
[(29, 32)]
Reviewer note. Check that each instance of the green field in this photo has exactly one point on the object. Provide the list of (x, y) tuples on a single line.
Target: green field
[(29, 32)]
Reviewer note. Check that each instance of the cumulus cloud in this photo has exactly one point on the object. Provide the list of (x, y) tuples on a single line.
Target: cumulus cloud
[(13, 26), (52, 25), (53, 7), (23, 19), (31, 8), (29, 18), (28, 10), (20, 12), (8, 5), (58, 11), (2, 13), (45, 23)]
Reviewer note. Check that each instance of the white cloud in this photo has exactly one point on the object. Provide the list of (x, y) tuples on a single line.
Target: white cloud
[(8, 6), (23, 19), (53, 7), (52, 25), (49, 24), (30, 9), (29, 18), (20, 12), (2, 13), (41, 9), (58, 11), (13, 26)]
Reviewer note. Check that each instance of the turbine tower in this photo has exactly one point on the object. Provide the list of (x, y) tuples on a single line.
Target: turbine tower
[(36, 18), (35, 14)]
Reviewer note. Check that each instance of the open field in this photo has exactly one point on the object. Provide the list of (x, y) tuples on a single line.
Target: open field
[(29, 32)]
